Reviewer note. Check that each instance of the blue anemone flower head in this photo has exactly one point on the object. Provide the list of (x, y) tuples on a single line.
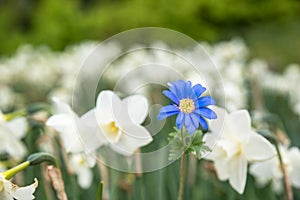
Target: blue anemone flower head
[(188, 104)]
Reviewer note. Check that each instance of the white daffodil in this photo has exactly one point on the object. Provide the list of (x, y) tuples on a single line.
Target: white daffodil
[(74, 133), (238, 144), (10, 191), (82, 164), (11, 133), (118, 121), (269, 170)]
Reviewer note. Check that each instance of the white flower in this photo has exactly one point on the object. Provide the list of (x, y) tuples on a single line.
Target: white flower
[(11, 133), (73, 131), (82, 164), (269, 170), (10, 191), (119, 121), (237, 145)]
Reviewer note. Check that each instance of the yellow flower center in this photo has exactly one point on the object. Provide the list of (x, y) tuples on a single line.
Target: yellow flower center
[(186, 105), (111, 131)]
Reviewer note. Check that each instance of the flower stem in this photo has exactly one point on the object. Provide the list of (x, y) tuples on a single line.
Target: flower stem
[(182, 174), (11, 172), (287, 185)]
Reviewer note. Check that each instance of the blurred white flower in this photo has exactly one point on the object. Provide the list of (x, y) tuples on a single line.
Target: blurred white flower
[(10, 191), (238, 144), (119, 121), (82, 164), (11, 133), (74, 133), (269, 170)]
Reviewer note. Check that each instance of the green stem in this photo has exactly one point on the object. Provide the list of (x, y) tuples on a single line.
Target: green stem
[(287, 185), (99, 192), (11, 172), (182, 174)]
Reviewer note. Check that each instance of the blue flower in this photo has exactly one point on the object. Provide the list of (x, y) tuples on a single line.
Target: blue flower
[(188, 104)]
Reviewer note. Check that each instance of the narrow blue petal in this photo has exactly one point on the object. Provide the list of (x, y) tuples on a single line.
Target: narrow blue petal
[(195, 120), (203, 123), (206, 112), (172, 88), (205, 101), (169, 108), (167, 111), (180, 120), (189, 125), (180, 88), (198, 89), (171, 96), (162, 115)]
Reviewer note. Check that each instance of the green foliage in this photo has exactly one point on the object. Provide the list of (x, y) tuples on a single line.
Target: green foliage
[(192, 144)]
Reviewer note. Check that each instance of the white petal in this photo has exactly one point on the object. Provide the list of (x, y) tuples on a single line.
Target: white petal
[(133, 137), (137, 107), (90, 135), (15, 148), (231, 147), (18, 127), (294, 157), (85, 177), (25, 193), (240, 124), (221, 167), (217, 125), (108, 107), (238, 173), (258, 148), (68, 129), (60, 107), (263, 171)]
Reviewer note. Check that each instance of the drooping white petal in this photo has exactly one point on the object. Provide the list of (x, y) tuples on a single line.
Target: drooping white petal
[(258, 148), (18, 127), (25, 193), (238, 173), (85, 177), (137, 108), (81, 164)]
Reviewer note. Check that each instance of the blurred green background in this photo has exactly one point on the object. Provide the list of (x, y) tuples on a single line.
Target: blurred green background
[(271, 28)]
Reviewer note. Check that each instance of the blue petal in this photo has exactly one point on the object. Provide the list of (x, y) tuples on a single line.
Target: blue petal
[(173, 88), (203, 123), (189, 124), (167, 111), (180, 87), (195, 120), (180, 120), (198, 89), (162, 116), (206, 112), (205, 101), (171, 96)]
